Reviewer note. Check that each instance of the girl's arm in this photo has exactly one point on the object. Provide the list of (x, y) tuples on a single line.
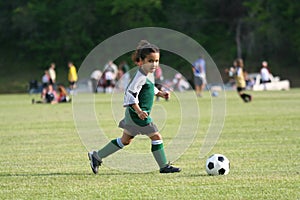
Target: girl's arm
[(141, 114)]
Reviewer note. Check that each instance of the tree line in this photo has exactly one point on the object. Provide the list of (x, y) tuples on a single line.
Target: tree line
[(256, 30)]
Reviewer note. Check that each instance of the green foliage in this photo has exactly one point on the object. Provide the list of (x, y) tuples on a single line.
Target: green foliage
[(42, 156), (274, 29), (40, 32), (136, 13)]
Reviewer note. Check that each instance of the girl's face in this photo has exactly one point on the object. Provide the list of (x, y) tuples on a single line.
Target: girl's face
[(150, 63)]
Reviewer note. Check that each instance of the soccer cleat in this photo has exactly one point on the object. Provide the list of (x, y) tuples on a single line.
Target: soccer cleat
[(95, 161), (246, 98), (250, 98), (169, 169)]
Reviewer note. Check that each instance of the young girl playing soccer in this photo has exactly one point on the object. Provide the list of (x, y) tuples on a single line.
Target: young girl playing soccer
[(238, 74), (138, 101)]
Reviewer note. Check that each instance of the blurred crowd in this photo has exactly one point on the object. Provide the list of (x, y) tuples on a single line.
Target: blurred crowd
[(50, 91), (111, 77)]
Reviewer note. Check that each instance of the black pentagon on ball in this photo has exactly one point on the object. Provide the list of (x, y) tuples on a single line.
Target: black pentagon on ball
[(210, 165), (222, 171), (221, 158)]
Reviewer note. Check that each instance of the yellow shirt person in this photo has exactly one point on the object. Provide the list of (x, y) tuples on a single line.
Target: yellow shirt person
[(239, 77), (240, 80), (72, 76)]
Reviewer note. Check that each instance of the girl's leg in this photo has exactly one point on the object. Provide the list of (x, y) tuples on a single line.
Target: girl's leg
[(246, 97), (112, 147), (115, 145), (160, 156), (198, 90), (158, 150)]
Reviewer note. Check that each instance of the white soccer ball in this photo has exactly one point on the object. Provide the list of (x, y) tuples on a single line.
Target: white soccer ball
[(217, 164)]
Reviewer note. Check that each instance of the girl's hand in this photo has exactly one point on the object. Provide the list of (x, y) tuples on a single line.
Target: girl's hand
[(142, 115), (164, 94), (167, 95)]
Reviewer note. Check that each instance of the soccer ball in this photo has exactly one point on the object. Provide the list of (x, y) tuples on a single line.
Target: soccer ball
[(214, 94), (217, 164)]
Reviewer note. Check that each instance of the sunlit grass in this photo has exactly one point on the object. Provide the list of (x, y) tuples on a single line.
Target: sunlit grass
[(42, 156)]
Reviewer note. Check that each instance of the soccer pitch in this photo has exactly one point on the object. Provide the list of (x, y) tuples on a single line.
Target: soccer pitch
[(42, 156)]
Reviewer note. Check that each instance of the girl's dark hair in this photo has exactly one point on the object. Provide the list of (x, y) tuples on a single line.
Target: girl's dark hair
[(239, 62), (143, 49)]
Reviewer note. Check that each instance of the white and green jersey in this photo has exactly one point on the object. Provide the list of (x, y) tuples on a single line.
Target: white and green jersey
[(141, 91)]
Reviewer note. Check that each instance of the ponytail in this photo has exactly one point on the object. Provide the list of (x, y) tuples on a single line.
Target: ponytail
[(143, 49)]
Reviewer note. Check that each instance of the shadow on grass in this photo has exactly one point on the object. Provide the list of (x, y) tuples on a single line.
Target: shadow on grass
[(110, 173), (57, 174), (194, 175)]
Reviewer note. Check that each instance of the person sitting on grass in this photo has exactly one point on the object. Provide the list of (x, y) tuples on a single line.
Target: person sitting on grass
[(62, 94), (48, 95)]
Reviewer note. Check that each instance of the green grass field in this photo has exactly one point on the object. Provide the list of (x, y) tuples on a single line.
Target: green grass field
[(42, 156)]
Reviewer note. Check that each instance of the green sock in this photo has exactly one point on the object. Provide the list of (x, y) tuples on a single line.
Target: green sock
[(110, 148), (159, 154)]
